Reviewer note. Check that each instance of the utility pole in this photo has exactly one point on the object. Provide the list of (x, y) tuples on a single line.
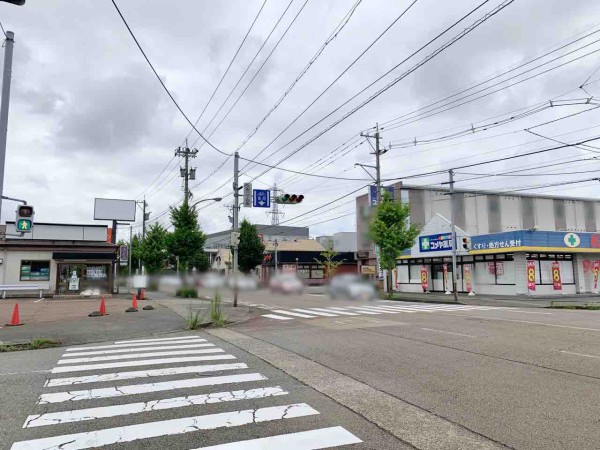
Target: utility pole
[(6, 78), (144, 205), (236, 210), (377, 151), (276, 245), (453, 231), (130, 253), (186, 173)]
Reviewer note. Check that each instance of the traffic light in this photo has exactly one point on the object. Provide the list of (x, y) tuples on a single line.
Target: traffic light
[(287, 199), (24, 220), (466, 243)]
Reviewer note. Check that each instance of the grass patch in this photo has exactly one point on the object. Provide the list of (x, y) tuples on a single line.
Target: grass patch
[(195, 318), (187, 292), (216, 314), (35, 344), (584, 307)]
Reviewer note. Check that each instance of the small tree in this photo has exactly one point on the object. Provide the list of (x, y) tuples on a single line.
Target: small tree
[(153, 249), (250, 249), (391, 233), (187, 241), (328, 263)]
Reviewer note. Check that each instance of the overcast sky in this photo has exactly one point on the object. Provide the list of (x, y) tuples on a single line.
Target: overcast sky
[(89, 119)]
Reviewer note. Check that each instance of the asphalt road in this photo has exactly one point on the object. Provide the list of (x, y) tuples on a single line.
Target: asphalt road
[(526, 378), (391, 375)]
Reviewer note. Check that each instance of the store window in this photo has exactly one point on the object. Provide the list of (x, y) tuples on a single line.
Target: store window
[(303, 271), (35, 271), (494, 269), (76, 278), (316, 272), (543, 269)]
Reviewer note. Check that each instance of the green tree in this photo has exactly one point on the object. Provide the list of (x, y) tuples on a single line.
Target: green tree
[(251, 249), (186, 242), (328, 261), (153, 250), (390, 231)]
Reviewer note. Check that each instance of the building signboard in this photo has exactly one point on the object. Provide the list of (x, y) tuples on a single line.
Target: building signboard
[(536, 241), (368, 270), (435, 242), (362, 254), (288, 268)]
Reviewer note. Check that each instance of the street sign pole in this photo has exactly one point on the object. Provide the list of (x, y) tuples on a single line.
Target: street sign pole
[(453, 230), (6, 78)]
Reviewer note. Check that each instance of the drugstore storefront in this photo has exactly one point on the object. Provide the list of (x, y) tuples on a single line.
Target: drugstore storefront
[(512, 263)]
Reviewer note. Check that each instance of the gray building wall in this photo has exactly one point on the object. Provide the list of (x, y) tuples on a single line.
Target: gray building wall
[(269, 232)]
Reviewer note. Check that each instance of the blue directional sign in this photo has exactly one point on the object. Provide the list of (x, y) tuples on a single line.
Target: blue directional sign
[(261, 198)]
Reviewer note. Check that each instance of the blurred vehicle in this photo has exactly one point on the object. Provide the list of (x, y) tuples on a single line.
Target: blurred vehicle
[(351, 286), (286, 283), (244, 283), (211, 281)]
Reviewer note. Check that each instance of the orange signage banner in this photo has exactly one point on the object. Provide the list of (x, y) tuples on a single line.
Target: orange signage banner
[(109, 232), (556, 276), (531, 275), (424, 278), (468, 283)]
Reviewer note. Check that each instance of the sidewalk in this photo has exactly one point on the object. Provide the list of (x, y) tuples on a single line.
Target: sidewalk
[(496, 300), (67, 321)]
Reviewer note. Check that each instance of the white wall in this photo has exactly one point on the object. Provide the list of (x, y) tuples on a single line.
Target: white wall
[(579, 216), (510, 208), (11, 269), (570, 215), (62, 232), (544, 214), (482, 214)]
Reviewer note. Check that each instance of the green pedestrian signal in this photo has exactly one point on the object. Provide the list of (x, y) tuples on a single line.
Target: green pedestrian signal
[(24, 220), (24, 225)]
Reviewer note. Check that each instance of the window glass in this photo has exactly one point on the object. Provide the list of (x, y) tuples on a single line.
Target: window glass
[(546, 271), (482, 275), (566, 272), (303, 271), (505, 272), (316, 273), (403, 274), (35, 271), (415, 273)]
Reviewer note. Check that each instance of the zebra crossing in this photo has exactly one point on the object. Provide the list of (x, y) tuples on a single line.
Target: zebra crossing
[(285, 314), (127, 395)]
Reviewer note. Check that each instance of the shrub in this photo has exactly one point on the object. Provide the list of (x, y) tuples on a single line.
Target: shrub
[(216, 314)]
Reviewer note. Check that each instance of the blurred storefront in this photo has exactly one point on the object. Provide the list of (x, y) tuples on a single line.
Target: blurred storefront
[(66, 259)]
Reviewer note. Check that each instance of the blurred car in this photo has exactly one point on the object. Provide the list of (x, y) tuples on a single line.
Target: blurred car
[(211, 281), (351, 286), (244, 283), (286, 283)]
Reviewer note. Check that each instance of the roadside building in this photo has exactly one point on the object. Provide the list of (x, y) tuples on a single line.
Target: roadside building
[(221, 239), (506, 244), (342, 241), (302, 258), (64, 259)]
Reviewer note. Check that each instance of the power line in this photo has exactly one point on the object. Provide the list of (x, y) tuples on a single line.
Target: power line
[(228, 67), (432, 55), (511, 69), (245, 71), (334, 81), (160, 80), (3, 32), (259, 69)]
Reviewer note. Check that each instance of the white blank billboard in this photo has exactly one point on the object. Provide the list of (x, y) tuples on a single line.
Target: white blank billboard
[(112, 209)]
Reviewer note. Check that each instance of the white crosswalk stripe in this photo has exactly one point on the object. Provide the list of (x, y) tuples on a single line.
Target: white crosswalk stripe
[(137, 416), (375, 308)]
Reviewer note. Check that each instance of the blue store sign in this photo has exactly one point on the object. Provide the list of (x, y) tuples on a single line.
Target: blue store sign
[(435, 242), (536, 241)]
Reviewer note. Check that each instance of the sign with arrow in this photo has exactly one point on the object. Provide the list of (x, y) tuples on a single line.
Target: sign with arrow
[(261, 198)]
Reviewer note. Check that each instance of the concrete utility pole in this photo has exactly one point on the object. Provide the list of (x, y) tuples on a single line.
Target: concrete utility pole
[(130, 253), (276, 245), (453, 231), (236, 210), (377, 151), (144, 205), (6, 78), (187, 173)]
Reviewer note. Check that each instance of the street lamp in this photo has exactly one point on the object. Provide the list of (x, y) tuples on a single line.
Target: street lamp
[(216, 199)]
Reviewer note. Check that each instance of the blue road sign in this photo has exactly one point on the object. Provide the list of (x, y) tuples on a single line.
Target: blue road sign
[(261, 198)]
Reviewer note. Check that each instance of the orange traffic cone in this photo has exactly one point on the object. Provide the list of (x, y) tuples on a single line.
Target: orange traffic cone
[(134, 305), (102, 307), (14, 321)]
